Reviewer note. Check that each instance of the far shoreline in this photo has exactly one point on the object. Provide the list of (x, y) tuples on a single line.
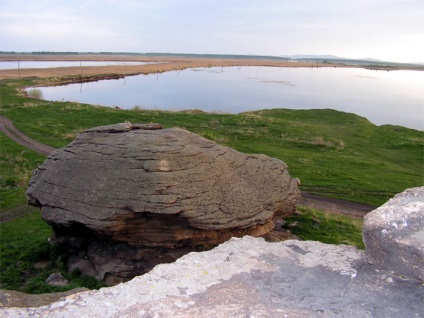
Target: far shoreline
[(160, 64)]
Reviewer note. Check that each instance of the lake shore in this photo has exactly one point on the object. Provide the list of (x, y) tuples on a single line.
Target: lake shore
[(160, 65)]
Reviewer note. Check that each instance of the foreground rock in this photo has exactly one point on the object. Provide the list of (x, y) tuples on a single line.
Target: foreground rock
[(249, 277), (394, 234), (126, 197)]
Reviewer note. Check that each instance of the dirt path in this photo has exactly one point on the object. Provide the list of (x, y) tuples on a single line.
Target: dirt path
[(15, 213), (7, 127), (349, 208)]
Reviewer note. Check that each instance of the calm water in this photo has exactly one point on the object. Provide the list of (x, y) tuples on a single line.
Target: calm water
[(395, 97), (8, 65)]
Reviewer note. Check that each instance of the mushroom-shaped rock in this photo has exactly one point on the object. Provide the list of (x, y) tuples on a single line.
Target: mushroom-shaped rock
[(143, 186)]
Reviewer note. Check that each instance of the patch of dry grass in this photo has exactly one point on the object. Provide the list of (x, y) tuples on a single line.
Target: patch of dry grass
[(316, 141)]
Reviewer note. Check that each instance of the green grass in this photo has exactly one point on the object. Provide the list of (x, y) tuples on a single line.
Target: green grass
[(27, 258), (16, 165), (334, 154), (312, 224)]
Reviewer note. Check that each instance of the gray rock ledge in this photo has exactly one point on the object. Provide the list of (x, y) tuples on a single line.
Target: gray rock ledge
[(249, 277), (394, 234)]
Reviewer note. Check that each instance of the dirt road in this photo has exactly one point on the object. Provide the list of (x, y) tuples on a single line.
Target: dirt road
[(349, 208), (7, 127)]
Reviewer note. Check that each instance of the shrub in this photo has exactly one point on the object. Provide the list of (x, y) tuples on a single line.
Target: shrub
[(35, 93)]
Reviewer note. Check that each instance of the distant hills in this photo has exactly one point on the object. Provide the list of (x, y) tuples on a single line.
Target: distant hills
[(328, 57), (303, 56), (344, 60)]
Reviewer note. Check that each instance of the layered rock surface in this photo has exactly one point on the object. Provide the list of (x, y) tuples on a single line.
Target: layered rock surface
[(126, 197)]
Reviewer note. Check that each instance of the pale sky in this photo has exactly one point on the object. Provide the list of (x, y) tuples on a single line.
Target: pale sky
[(391, 30)]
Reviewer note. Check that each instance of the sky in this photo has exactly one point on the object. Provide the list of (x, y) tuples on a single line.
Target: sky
[(390, 30)]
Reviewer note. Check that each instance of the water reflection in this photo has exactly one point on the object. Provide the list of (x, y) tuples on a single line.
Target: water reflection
[(383, 97)]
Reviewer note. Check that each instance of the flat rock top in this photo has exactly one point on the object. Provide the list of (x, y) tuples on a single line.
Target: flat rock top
[(395, 212), (249, 277), (122, 170)]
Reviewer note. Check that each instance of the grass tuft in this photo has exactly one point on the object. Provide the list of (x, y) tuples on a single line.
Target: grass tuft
[(315, 225)]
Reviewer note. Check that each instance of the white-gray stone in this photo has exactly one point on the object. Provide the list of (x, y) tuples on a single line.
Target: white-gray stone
[(394, 234), (249, 277)]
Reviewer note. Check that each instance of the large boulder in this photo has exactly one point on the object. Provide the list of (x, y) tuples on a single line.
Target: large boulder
[(394, 234), (125, 197)]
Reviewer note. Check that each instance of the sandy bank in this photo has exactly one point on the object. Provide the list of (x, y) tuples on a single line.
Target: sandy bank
[(160, 64)]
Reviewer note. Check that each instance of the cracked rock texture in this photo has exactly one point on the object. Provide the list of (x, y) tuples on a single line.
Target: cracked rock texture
[(248, 277), (394, 234), (125, 197)]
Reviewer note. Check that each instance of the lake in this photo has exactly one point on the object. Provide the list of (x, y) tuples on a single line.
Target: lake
[(395, 97), (8, 65)]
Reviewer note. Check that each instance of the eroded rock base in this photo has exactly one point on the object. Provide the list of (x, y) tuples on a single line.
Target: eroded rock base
[(104, 258)]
